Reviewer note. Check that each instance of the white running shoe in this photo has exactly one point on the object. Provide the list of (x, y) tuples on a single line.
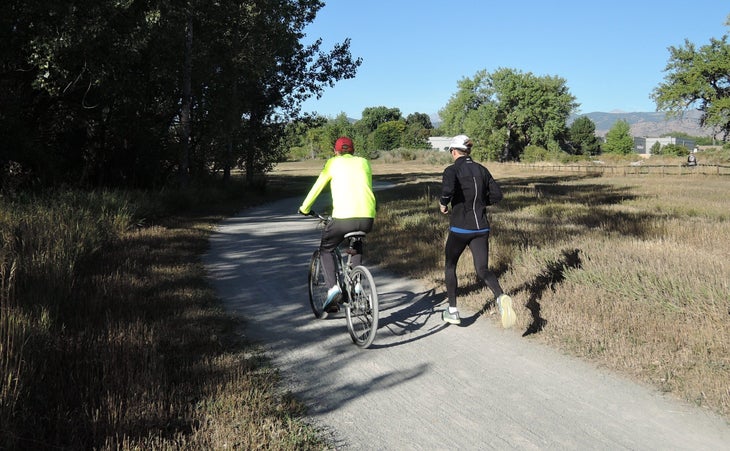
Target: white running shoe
[(451, 318), (332, 295), (509, 318)]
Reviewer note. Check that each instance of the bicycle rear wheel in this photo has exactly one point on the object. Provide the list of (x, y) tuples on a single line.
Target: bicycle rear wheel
[(317, 286), (362, 310)]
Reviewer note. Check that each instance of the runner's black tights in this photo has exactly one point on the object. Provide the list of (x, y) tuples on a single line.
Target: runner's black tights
[(479, 246)]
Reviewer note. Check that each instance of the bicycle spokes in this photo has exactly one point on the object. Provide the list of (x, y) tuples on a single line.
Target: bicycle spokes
[(362, 313)]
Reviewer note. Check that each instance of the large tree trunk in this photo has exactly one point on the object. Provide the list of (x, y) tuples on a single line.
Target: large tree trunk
[(234, 121), (185, 110)]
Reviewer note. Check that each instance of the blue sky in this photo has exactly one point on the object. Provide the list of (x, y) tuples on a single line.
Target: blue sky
[(611, 54)]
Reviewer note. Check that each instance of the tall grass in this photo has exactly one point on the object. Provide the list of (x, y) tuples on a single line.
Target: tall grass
[(110, 337), (44, 242), (629, 272)]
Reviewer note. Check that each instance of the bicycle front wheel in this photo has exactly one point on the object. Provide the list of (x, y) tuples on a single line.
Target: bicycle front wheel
[(317, 286), (362, 310)]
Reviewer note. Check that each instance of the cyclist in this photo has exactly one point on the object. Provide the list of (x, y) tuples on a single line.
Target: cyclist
[(469, 187), (353, 207)]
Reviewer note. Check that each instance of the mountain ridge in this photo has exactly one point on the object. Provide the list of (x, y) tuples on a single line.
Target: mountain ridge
[(648, 124)]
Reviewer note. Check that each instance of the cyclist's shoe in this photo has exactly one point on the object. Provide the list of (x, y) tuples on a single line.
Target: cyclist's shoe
[(333, 295), (451, 318), (358, 288), (509, 318)]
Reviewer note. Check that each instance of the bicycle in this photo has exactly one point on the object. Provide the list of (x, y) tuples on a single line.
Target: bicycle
[(359, 295)]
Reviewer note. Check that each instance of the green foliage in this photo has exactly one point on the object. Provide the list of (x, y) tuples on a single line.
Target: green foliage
[(619, 139), (415, 136), (98, 93), (534, 154), (373, 117), (508, 110), (388, 135), (656, 148), (470, 95), (582, 135), (674, 150), (317, 138), (698, 78), (420, 119)]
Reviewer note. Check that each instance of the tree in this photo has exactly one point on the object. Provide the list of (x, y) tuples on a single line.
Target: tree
[(698, 78), (470, 95), (508, 110), (106, 94), (582, 134), (619, 139), (656, 148), (388, 135), (418, 129), (274, 73), (421, 119), (372, 117)]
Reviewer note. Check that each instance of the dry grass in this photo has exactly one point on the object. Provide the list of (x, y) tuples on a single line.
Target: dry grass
[(628, 272), (112, 339)]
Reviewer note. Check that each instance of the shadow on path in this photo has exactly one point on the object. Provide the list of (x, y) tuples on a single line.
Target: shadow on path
[(407, 315)]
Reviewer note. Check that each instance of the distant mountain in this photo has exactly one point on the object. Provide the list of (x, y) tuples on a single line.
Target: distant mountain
[(648, 124)]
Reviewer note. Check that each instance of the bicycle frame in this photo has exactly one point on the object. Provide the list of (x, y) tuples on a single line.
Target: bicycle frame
[(359, 294)]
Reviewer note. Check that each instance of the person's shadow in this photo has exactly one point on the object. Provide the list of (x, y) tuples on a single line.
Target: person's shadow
[(547, 278)]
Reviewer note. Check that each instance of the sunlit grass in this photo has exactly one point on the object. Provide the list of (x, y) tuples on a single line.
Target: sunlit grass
[(111, 338), (630, 272)]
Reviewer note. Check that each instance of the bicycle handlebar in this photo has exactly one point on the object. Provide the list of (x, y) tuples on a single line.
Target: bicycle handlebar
[(314, 214)]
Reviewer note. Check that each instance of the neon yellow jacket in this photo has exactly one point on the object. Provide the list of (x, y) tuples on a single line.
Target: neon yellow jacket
[(351, 184)]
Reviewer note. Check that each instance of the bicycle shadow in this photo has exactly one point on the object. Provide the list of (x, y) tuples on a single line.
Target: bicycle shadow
[(408, 317)]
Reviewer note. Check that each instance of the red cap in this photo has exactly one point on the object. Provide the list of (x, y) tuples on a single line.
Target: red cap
[(344, 144)]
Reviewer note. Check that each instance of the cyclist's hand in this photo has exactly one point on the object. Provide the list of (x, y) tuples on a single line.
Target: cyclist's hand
[(301, 212)]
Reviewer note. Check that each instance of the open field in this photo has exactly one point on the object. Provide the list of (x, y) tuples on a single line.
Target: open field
[(629, 272), (112, 339)]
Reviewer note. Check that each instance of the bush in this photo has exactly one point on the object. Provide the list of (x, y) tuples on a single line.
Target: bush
[(427, 155), (437, 158), (715, 155), (674, 150), (533, 154)]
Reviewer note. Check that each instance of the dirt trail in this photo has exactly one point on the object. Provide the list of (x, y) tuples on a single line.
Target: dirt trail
[(425, 385)]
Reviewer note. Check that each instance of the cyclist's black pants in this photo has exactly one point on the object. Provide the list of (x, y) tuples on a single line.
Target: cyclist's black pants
[(479, 245), (332, 235)]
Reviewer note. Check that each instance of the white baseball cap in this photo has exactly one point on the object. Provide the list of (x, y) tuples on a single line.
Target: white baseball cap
[(461, 142)]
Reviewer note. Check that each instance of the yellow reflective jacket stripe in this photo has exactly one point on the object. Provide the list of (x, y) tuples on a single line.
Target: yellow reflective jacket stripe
[(351, 183)]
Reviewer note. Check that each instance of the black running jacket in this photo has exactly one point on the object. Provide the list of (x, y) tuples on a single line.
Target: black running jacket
[(470, 188)]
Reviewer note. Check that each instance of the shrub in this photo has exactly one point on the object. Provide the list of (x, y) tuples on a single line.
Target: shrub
[(675, 150), (533, 154)]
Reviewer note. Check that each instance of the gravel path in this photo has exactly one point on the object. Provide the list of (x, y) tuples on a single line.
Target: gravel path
[(423, 384)]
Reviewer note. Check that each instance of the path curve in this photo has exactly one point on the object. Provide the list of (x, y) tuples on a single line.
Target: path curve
[(425, 385)]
